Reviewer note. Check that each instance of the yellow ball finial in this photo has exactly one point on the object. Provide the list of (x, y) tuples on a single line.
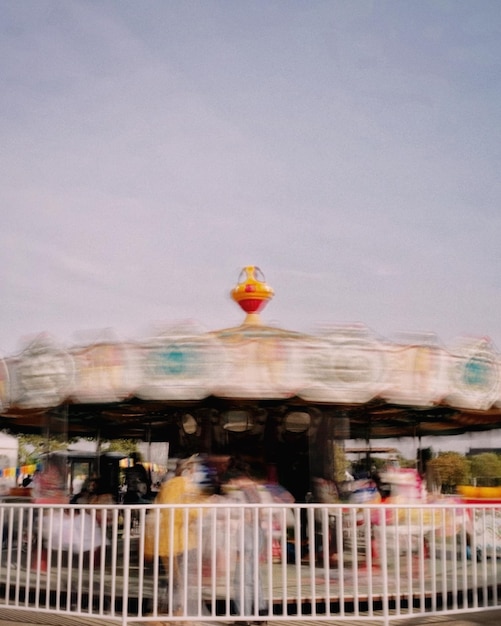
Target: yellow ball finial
[(252, 293)]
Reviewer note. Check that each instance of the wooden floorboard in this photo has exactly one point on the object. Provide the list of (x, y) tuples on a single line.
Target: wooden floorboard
[(51, 618)]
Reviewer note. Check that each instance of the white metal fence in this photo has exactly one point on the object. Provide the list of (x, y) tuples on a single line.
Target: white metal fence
[(256, 562)]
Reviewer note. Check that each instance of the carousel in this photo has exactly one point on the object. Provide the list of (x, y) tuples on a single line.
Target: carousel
[(286, 402), (268, 393)]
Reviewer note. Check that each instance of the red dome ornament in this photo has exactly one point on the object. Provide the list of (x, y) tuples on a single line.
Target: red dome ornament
[(252, 293)]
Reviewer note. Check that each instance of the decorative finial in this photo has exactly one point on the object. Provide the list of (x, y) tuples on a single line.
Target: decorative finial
[(252, 293)]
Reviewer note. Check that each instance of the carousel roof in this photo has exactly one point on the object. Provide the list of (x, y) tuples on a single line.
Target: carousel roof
[(374, 388)]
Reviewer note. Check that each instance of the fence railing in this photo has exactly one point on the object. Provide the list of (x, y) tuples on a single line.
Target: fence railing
[(255, 562)]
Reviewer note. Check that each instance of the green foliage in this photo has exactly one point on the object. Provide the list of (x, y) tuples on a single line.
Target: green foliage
[(449, 469), (125, 446), (486, 468), (341, 463), (403, 462), (378, 462), (30, 447)]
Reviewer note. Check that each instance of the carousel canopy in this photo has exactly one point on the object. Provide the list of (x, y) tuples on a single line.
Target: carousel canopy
[(372, 387)]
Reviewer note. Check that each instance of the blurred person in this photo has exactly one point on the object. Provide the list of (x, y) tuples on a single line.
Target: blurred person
[(138, 483), (239, 486), (77, 530), (94, 492), (77, 484), (82, 496), (176, 544), (48, 487), (27, 480), (325, 491), (49, 484)]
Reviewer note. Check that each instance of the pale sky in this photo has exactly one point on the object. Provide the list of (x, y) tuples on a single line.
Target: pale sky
[(151, 149)]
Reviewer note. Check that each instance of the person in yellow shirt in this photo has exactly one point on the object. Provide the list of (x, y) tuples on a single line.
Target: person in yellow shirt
[(175, 544)]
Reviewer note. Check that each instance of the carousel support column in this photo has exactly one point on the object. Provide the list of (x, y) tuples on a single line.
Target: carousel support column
[(149, 457), (206, 431), (39, 553), (414, 434), (368, 446), (272, 477), (99, 444), (148, 441), (57, 440), (339, 432), (55, 428), (322, 484), (368, 456), (373, 548)]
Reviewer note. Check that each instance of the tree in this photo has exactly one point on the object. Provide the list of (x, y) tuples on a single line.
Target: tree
[(449, 469), (486, 468), (125, 446), (31, 447), (403, 462)]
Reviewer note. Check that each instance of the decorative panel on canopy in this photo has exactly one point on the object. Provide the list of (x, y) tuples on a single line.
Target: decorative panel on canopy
[(180, 365), (345, 366)]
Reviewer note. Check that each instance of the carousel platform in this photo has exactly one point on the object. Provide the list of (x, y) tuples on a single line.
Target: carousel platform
[(479, 618), (426, 588)]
